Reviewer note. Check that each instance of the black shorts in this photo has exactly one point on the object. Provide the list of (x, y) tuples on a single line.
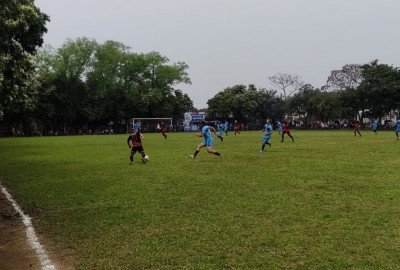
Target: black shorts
[(135, 149)]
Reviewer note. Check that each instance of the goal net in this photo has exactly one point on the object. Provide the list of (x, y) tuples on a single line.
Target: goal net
[(151, 124)]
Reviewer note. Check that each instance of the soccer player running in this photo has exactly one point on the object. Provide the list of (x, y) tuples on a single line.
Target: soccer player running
[(208, 140), (236, 127), (135, 143), (136, 126), (398, 127), (357, 127), (374, 126), (267, 135), (279, 127), (226, 127), (286, 130), (163, 128), (220, 129)]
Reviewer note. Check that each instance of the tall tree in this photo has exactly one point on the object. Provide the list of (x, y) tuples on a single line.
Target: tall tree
[(247, 104), (302, 102), (287, 83), (348, 77), (380, 88), (22, 26)]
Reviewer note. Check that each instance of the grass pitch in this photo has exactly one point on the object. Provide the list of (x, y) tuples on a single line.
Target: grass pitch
[(330, 200)]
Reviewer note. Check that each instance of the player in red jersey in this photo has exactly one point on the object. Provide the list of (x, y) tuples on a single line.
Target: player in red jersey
[(135, 143), (357, 127), (163, 129), (236, 127), (286, 130)]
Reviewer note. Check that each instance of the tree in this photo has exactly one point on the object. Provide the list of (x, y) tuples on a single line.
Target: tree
[(349, 77), (247, 104), (287, 83), (302, 102), (22, 26), (380, 88), (62, 74)]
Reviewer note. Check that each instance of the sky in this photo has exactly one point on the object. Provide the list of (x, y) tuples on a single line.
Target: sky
[(229, 42)]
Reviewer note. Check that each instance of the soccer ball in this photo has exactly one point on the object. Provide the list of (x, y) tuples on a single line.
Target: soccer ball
[(146, 157)]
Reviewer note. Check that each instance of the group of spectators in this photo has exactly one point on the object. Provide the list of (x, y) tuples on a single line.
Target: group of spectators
[(384, 124)]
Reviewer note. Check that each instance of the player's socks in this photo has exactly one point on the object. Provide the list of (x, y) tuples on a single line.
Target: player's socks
[(195, 153), (262, 147), (131, 158), (143, 157), (221, 138)]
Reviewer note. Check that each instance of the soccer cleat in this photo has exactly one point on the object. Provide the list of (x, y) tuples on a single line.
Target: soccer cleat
[(191, 156), (131, 162), (143, 160)]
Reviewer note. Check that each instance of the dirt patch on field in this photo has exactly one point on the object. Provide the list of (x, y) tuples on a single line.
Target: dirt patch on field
[(15, 251)]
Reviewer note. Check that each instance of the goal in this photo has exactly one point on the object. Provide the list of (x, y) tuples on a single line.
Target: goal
[(150, 124)]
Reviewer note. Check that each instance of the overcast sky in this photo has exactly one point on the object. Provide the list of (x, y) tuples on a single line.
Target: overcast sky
[(228, 42)]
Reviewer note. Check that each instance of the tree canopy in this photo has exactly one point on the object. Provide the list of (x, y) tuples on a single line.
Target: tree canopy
[(85, 82), (22, 26), (245, 103)]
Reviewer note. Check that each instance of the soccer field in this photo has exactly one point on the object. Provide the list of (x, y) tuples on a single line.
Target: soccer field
[(329, 200)]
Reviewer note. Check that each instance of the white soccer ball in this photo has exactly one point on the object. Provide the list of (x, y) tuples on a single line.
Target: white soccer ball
[(146, 157)]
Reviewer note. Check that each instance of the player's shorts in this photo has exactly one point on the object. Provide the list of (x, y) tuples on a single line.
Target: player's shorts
[(208, 142), (265, 138), (137, 148), (286, 131), (280, 129), (398, 130)]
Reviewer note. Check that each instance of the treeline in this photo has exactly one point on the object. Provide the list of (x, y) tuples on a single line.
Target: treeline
[(88, 85), (246, 104), (355, 91)]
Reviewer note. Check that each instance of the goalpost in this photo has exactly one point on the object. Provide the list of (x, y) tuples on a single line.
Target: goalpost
[(166, 120)]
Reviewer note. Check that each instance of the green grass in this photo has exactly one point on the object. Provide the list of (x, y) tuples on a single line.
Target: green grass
[(328, 201)]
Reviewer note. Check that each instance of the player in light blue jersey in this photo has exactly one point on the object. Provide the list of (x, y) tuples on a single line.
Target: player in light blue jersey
[(136, 126), (279, 127), (267, 135), (226, 127), (374, 126), (220, 129), (208, 140), (398, 127)]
